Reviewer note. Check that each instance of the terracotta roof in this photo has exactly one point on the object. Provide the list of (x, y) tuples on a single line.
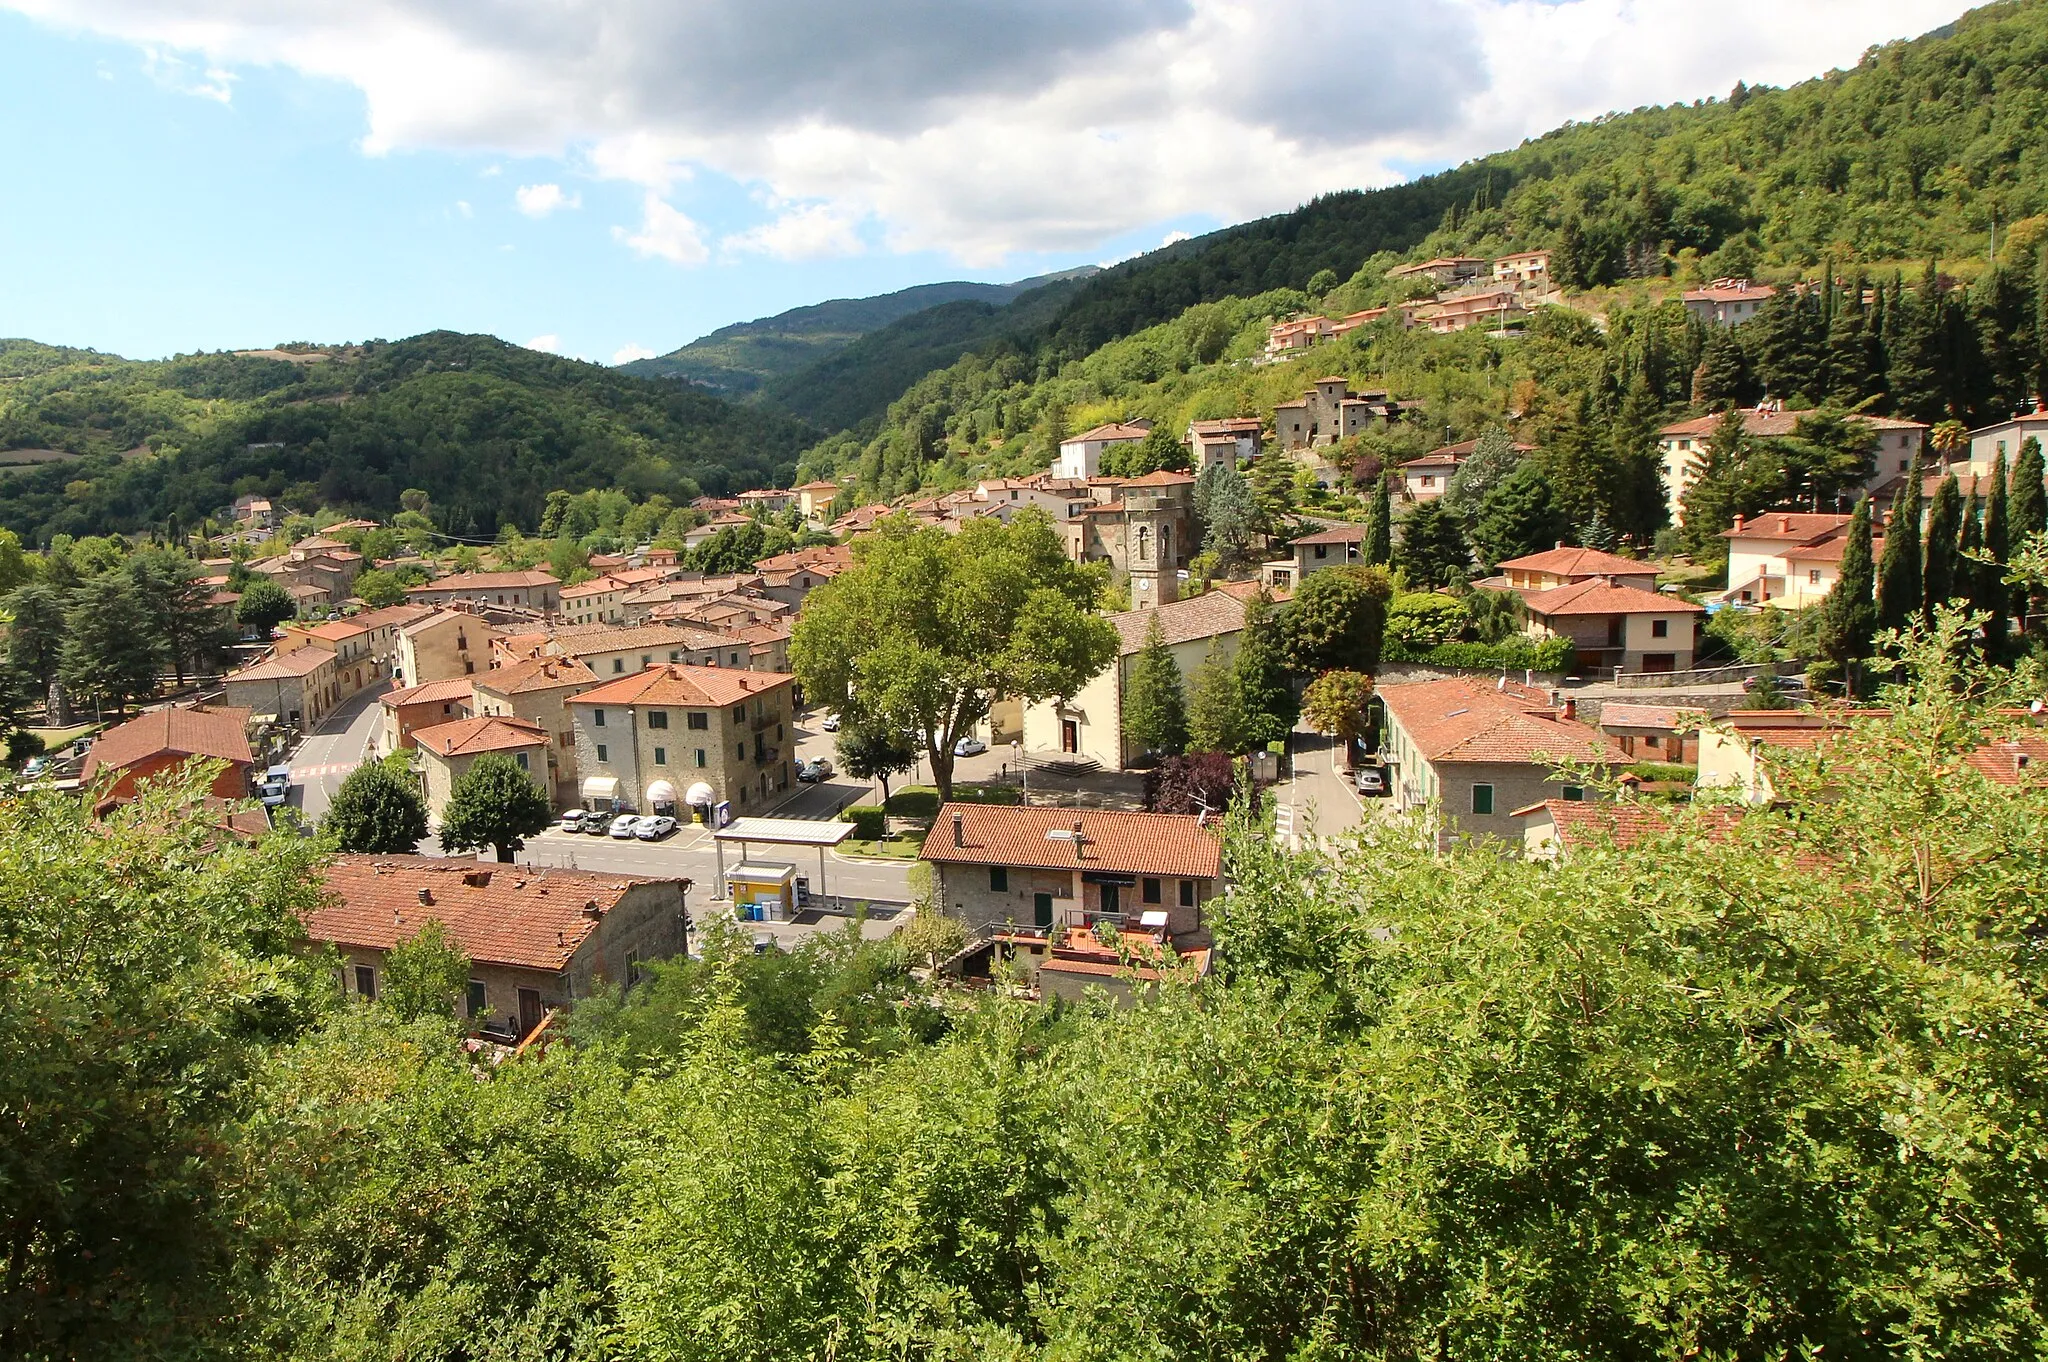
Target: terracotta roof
[(674, 684), (1204, 616), (589, 639), (486, 733), (1829, 550), (1666, 717), (1581, 563), (1335, 534), (1772, 423), (488, 581), (1109, 433), (395, 616), (1729, 293), (1788, 526), (1463, 720), (816, 487), (439, 617), (538, 673), (197, 731), (496, 915), (1160, 478), (430, 693), (1626, 822), (1230, 425), (2010, 760), (1598, 597), (299, 662), (1125, 843), (1244, 591)]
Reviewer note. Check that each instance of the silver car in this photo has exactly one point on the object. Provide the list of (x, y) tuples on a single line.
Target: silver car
[(625, 826), (654, 828)]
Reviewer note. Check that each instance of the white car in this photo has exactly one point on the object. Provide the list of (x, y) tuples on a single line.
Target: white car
[(572, 820), (625, 826), (1370, 780), (969, 747), (830, 723), (654, 828)]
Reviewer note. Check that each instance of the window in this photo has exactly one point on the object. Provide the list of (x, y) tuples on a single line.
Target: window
[(739, 750), (661, 756), (521, 759), (478, 999), (1322, 550), (999, 879), (1660, 628), (657, 718), (366, 982), (699, 721), (618, 664), (735, 659), (700, 756), (597, 718), (602, 755), (1573, 794), (1187, 893), (675, 655), (1152, 891), (1482, 799), (1813, 576), (632, 968), (739, 712)]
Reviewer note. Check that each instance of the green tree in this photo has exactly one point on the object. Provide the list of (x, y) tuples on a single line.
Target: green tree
[(1939, 579), (1229, 515), (1432, 551), (16, 569), (2029, 506), (1377, 549), (110, 654), (1335, 702), (1336, 621), (493, 804), (190, 632), (35, 633), (1848, 617), (1723, 377), (1494, 460), (1215, 704), (871, 750), (1265, 696), (928, 628), (1899, 595), (1518, 517), (264, 606), (1914, 377), (376, 810), (1155, 698), (380, 589), (425, 975), (1996, 599)]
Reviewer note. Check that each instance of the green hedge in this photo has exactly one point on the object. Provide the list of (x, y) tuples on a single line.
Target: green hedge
[(869, 821), (1516, 654), (1664, 771), (922, 801)]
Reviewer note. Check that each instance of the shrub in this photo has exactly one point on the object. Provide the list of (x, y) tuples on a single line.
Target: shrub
[(1663, 771), (869, 820), (1515, 654)]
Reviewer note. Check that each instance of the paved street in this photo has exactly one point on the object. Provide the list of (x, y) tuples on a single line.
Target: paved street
[(335, 748), (1319, 793)]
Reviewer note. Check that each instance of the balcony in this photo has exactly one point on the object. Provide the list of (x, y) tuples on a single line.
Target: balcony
[(767, 721)]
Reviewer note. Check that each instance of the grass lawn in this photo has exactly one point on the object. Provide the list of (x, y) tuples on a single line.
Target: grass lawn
[(922, 801), (898, 848), (55, 738)]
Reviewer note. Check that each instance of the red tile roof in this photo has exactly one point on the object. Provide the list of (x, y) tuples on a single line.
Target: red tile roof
[(1666, 717), (299, 662), (1772, 423), (487, 733), (198, 731), (674, 684), (1112, 841), (496, 915), (1160, 478), (487, 581), (431, 693), (1625, 822), (1335, 534), (1597, 597), (1788, 526), (538, 673), (1109, 434), (1581, 563), (1464, 720), (1204, 616)]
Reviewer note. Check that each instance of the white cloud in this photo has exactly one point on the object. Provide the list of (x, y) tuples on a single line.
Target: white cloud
[(549, 344), (1172, 237), (539, 200), (1009, 125), (172, 72), (665, 233), (631, 351), (462, 207)]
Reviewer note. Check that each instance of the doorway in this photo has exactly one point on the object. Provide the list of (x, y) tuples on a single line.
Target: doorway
[(529, 1010), (1041, 910), (1112, 901), (1070, 736)]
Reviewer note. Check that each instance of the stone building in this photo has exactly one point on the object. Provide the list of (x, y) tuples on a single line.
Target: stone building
[(648, 741)]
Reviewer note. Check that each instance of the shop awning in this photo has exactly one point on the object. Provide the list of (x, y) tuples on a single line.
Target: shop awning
[(601, 787), (661, 792)]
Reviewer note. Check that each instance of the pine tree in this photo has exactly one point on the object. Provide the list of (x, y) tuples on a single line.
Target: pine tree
[(1915, 374), (1850, 375), (1997, 545), (1432, 546), (2028, 515), (1215, 716), (1971, 571), (1155, 699), (111, 655), (1518, 517), (1638, 501), (1265, 697), (1723, 377), (1848, 616), (1898, 571), (2040, 356)]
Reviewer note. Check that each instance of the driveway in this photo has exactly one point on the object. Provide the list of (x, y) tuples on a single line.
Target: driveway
[(336, 747)]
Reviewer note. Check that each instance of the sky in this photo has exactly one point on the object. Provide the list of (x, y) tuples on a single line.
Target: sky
[(612, 178)]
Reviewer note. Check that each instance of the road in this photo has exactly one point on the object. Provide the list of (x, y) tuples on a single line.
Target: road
[(335, 748), (1319, 793)]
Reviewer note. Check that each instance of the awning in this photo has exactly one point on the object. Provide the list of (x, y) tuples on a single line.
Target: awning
[(601, 787), (661, 792), (1105, 877)]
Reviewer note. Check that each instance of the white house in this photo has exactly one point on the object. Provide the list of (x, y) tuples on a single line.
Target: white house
[(1081, 455)]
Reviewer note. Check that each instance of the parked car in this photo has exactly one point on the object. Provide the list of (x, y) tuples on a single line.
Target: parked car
[(36, 766), (276, 786), (597, 824), (1371, 781), (830, 723), (969, 747), (654, 828), (625, 825), (814, 770), (572, 820)]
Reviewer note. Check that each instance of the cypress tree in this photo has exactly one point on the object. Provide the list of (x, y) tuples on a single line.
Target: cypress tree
[(1265, 698), (1971, 571), (1939, 581), (1848, 617), (1898, 571), (1849, 370), (1378, 547), (1155, 699), (1916, 372), (2040, 368), (1997, 544), (2029, 508)]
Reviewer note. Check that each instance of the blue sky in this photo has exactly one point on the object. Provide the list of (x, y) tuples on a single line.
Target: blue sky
[(208, 174)]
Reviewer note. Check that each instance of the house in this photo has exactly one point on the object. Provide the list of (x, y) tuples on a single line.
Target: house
[(165, 739), (1523, 269), (1228, 442), (2003, 437), (1621, 627), (1683, 447), (1787, 559), (1146, 533), (1489, 306), (1090, 725), (447, 751), (701, 535), (1429, 477), (365, 645), (766, 501), (594, 602), (1081, 455), (1331, 546), (538, 691), (537, 939), (1728, 302), (295, 689), (790, 577), (860, 520), (1476, 749), (1033, 883), (1563, 566), (1556, 828), (405, 712), (323, 569), (1737, 752), (677, 737), (610, 652), (255, 512), (814, 500), (1327, 413), (441, 646), (1059, 498), (1459, 269), (532, 588), (1659, 733)]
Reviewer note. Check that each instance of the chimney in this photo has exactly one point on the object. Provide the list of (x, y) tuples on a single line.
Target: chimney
[(1559, 544), (1738, 524), (477, 879), (426, 898), (1571, 707), (592, 911), (959, 831)]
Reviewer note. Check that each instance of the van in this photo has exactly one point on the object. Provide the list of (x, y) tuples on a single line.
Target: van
[(277, 784)]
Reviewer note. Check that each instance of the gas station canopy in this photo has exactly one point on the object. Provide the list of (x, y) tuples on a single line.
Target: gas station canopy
[(790, 832)]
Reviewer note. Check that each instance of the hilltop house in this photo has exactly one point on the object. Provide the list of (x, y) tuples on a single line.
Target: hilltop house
[(1618, 627), (1728, 302), (1228, 442), (1446, 271), (1787, 559), (1683, 447), (1081, 455), (1523, 269), (1329, 412)]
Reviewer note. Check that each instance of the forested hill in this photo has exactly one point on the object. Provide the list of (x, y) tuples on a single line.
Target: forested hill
[(1907, 155), (736, 360), (486, 428)]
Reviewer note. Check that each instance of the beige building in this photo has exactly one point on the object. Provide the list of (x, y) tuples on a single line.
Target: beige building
[(1145, 531), (1445, 270), (1728, 302), (1091, 724), (612, 652), (1474, 750), (1683, 448), (538, 691), (533, 589), (295, 689), (537, 939), (1081, 455), (365, 645), (442, 646), (1563, 566), (1618, 628), (1331, 546), (447, 751), (815, 501), (1787, 559), (1229, 442), (314, 570), (406, 712), (1523, 269), (649, 741), (2002, 437)]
